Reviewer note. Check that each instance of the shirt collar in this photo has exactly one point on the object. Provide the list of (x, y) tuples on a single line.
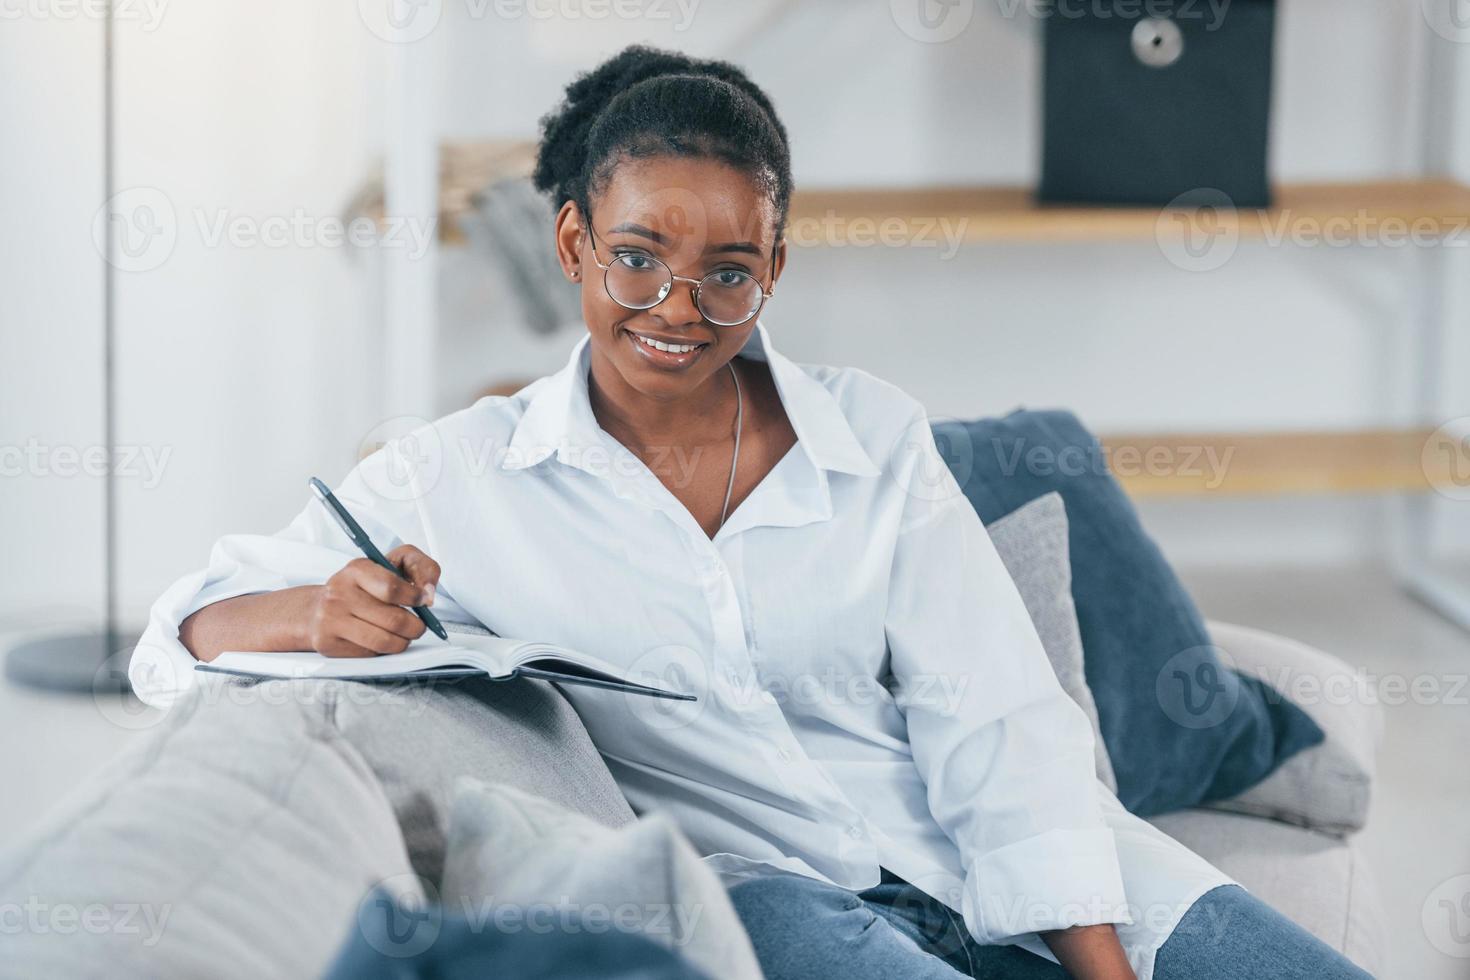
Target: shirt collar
[(558, 419)]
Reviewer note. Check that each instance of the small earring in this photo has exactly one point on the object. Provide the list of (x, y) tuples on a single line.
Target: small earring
[(575, 273)]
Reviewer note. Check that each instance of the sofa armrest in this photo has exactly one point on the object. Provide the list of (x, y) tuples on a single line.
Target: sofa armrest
[(1326, 787)]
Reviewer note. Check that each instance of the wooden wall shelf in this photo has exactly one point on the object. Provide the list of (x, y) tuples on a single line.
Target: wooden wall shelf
[(1368, 461), (1010, 214), (996, 213), (1361, 461)]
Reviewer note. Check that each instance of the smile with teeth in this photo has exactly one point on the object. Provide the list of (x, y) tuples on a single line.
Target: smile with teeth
[(669, 348)]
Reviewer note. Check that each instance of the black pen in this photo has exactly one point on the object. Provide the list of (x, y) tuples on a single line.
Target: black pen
[(359, 537)]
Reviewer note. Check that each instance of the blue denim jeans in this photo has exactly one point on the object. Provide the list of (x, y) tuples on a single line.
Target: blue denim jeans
[(805, 929)]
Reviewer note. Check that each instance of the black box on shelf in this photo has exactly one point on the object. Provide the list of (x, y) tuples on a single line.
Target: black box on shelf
[(1141, 109)]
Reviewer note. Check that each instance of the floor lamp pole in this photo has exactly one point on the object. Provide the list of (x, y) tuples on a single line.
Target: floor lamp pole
[(109, 333), (86, 661)]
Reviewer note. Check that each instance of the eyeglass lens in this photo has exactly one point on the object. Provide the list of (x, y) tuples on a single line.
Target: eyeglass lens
[(726, 296)]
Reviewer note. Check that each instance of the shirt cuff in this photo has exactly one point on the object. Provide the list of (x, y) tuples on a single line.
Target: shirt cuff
[(162, 668), (1055, 880)]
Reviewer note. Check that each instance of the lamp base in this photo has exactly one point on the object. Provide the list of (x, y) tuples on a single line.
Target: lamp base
[(83, 663)]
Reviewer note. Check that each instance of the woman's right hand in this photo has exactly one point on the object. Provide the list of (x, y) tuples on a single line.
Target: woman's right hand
[(360, 612)]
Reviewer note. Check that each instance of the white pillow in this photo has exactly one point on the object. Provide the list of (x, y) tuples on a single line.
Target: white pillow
[(509, 848)]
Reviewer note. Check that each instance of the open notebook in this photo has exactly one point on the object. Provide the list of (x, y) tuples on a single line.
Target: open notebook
[(471, 652)]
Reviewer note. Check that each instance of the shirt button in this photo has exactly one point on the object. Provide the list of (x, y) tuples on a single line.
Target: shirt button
[(783, 755), (855, 832)]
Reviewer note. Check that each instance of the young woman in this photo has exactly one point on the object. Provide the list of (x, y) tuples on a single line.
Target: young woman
[(880, 761)]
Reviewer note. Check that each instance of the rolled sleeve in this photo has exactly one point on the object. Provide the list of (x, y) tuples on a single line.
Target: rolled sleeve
[(310, 550), (1006, 756)]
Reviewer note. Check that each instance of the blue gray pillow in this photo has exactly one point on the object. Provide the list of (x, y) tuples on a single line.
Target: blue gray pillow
[(1181, 727)]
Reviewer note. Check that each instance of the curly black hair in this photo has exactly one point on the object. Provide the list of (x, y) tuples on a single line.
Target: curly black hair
[(643, 102)]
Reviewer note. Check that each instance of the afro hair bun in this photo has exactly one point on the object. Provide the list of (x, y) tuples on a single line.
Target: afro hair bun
[(644, 102)]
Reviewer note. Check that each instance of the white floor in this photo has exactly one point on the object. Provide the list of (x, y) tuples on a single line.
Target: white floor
[(1418, 835)]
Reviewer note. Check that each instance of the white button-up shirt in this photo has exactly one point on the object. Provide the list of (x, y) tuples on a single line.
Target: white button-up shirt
[(871, 691)]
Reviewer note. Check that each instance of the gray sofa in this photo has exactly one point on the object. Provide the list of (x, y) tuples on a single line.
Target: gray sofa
[(241, 835)]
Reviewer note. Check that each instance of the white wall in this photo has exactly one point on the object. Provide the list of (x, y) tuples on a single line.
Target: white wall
[(1278, 338), (50, 321), (252, 365), (250, 357)]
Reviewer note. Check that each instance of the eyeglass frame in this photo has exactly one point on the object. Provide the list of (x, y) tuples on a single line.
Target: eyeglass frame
[(674, 277)]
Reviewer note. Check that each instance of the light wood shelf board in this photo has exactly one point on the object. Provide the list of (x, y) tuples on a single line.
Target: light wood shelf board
[(1226, 464)]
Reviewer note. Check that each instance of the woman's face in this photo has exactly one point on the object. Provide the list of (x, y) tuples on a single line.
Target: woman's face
[(695, 215)]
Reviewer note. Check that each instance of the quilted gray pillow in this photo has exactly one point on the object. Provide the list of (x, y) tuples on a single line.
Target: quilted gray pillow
[(526, 854), (236, 839), (1032, 542)]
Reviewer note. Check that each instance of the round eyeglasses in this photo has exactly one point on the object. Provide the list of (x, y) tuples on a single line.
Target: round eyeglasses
[(638, 281)]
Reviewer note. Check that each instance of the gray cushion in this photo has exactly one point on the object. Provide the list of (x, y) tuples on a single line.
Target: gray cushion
[(1326, 787), (513, 851), (1318, 881), (419, 740), (236, 839), (1032, 542)]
